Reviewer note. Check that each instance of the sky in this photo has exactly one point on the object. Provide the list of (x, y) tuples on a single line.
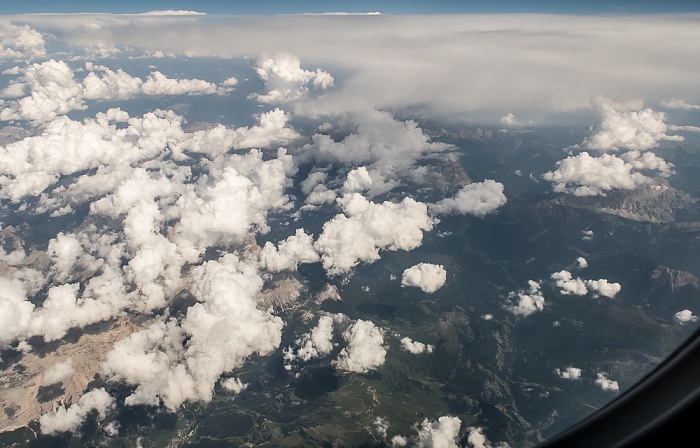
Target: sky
[(384, 6), (166, 196)]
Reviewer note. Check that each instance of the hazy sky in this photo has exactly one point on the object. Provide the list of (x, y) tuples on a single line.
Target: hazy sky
[(383, 6)]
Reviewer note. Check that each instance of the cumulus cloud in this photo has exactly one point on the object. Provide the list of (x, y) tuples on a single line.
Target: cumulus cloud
[(603, 287), (478, 199), (58, 372), (426, 276), (173, 362), (477, 439), (233, 385), (20, 43), (441, 433), (367, 227), (509, 120), (286, 81), (415, 347), (526, 302), (358, 180), (109, 84), (586, 175), (569, 373), (17, 310), (49, 89), (605, 383), (582, 263), (635, 130), (52, 91), (567, 284), (69, 419), (318, 342), (675, 103), (272, 130), (381, 426), (158, 84), (296, 249), (685, 316), (365, 350), (387, 148)]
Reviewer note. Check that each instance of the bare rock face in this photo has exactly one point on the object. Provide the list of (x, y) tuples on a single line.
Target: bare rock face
[(11, 134), (283, 294), (449, 176), (650, 203), (329, 292), (674, 278), (24, 393)]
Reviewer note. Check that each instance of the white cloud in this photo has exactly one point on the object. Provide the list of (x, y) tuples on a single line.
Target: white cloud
[(569, 373), (399, 440), (524, 303), (478, 199), (158, 84), (358, 180), (676, 103), (367, 227), (229, 82), (442, 433), (635, 130), (182, 362), (685, 317), (318, 342), (603, 287), (272, 130), (415, 347), (582, 263), (605, 383), (296, 249), (584, 175), (387, 147), (51, 89), (286, 81), (69, 419), (381, 426), (58, 372), (509, 120), (477, 439), (569, 285), (365, 350), (20, 43), (233, 385), (110, 85), (426, 276)]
